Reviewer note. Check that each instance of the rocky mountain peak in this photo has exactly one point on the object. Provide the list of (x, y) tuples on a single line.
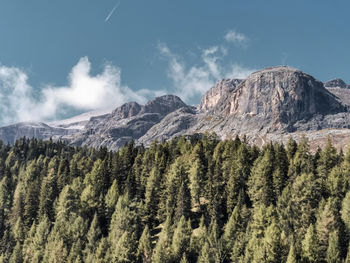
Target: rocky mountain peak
[(163, 105), (282, 94), (336, 83), (127, 110)]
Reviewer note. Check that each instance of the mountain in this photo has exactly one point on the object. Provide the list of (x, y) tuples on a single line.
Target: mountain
[(339, 88), (336, 83), (271, 104)]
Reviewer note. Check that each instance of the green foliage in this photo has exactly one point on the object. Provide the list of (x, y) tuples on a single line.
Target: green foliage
[(261, 180), (310, 248), (292, 257), (192, 199), (333, 250), (144, 250), (345, 211)]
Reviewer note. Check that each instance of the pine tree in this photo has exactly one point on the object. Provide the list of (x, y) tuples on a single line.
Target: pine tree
[(93, 236), (272, 244), (234, 229), (292, 256), (347, 260), (41, 237), (291, 148), (301, 201), (302, 161), (261, 180), (345, 211), (205, 255), (183, 200), (17, 256), (111, 199), (178, 194), (123, 250), (197, 173), (326, 223), (48, 193), (144, 250), (124, 219), (181, 239), (101, 251), (239, 174), (5, 202), (280, 173), (328, 159), (152, 198), (184, 259), (31, 202), (333, 250), (198, 238), (310, 249), (162, 250)]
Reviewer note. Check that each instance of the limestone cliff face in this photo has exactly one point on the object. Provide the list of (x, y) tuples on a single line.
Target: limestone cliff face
[(217, 94), (281, 94)]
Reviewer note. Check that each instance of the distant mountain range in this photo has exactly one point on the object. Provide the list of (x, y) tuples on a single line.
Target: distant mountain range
[(271, 104)]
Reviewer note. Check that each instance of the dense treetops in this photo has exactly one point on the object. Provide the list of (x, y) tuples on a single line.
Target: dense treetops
[(192, 199)]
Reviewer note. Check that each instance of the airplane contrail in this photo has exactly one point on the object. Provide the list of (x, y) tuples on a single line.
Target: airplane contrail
[(112, 11)]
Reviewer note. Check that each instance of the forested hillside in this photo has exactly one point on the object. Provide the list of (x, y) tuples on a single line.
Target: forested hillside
[(192, 199)]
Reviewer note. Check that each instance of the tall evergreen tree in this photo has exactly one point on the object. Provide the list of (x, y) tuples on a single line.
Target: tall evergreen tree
[(310, 249), (144, 250)]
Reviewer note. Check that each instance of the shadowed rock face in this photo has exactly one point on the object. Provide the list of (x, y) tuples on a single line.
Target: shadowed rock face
[(281, 94), (268, 105), (336, 83)]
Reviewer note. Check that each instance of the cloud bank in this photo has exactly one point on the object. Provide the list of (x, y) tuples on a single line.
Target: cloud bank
[(19, 101), (191, 82), (84, 92)]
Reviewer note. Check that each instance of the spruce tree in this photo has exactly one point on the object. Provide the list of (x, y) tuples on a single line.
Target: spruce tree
[(333, 250), (345, 211), (292, 256), (181, 239), (260, 183), (144, 250), (310, 249)]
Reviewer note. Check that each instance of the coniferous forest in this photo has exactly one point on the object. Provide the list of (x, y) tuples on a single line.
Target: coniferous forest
[(192, 199)]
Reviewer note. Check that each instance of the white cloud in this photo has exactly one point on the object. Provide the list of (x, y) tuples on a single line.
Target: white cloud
[(235, 37), (83, 92), (192, 82)]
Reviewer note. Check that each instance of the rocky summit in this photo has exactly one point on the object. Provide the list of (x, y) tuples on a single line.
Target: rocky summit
[(271, 104)]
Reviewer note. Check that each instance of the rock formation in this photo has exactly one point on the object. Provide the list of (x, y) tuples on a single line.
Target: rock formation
[(271, 104), (336, 83)]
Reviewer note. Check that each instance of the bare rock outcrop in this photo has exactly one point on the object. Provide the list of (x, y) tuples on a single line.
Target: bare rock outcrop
[(283, 95)]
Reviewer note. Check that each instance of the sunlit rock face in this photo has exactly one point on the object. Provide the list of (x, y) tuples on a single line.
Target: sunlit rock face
[(281, 93), (216, 96)]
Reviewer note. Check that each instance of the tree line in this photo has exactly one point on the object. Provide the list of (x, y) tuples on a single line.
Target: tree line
[(191, 199)]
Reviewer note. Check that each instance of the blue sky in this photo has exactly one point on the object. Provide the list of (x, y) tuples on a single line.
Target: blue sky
[(59, 58)]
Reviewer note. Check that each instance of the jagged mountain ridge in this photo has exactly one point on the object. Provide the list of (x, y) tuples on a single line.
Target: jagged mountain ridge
[(269, 105)]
